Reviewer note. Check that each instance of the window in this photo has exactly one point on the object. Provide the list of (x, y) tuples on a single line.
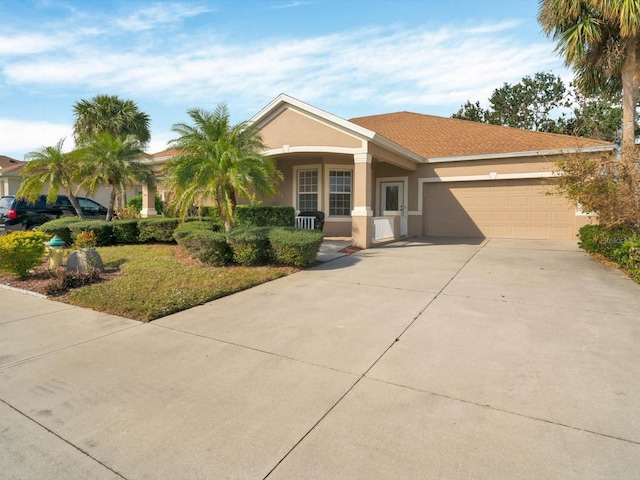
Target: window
[(307, 190), (340, 193)]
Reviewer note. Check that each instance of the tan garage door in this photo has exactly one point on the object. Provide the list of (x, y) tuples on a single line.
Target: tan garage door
[(498, 208)]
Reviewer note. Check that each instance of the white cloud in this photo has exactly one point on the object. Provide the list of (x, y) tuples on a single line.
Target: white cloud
[(28, 44), (291, 5), (394, 66), (23, 136), (159, 14)]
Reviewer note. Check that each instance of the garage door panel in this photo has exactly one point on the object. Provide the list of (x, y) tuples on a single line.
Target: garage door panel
[(499, 208)]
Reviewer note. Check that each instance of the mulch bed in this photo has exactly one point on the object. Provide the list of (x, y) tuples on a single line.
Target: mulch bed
[(49, 281)]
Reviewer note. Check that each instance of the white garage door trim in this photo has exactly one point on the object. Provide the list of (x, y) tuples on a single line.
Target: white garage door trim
[(474, 178)]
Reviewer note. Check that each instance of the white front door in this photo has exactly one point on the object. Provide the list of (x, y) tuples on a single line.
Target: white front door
[(392, 202)]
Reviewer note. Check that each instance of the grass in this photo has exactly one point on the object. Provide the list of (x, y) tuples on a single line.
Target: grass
[(155, 283)]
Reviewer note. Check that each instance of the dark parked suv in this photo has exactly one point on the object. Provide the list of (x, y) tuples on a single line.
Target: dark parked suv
[(22, 215)]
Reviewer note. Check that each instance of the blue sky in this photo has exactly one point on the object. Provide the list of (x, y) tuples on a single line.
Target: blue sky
[(349, 57)]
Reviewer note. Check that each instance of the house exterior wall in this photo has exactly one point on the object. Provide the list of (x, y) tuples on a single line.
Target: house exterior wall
[(296, 129), (9, 185), (510, 188)]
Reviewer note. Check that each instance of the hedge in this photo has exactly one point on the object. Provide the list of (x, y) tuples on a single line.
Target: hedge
[(207, 246), (125, 232), (60, 227), (102, 229), (192, 225), (290, 246), (264, 216), (250, 245), (620, 245), (157, 229)]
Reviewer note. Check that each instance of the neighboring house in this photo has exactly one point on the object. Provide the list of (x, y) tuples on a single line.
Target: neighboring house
[(407, 174), (10, 178)]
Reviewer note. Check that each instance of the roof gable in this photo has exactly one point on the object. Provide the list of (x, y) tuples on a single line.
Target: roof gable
[(10, 165), (438, 137)]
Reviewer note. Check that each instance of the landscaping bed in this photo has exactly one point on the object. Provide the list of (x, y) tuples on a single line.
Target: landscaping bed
[(145, 282)]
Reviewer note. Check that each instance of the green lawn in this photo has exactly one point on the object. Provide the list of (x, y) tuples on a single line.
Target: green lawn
[(154, 283)]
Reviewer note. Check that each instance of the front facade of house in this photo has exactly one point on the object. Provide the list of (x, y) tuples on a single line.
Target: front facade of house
[(404, 174)]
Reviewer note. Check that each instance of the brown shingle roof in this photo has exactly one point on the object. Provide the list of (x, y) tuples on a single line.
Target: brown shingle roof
[(8, 164), (432, 137), (169, 152)]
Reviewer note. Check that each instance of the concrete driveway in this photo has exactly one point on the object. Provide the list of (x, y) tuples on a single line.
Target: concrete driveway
[(500, 359)]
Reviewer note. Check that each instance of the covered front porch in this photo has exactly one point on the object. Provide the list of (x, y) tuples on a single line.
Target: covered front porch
[(361, 182)]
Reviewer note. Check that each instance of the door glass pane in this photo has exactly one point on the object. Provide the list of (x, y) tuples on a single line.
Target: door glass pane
[(391, 198)]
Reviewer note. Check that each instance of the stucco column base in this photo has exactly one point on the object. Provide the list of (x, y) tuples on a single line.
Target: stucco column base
[(148, 201), (362, 231)]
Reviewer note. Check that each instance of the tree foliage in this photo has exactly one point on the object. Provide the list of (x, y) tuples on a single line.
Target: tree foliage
[(109, 114), (600, 40), (545, 104), (219, 162), (114, 162), (608, 186), (51, 167), (528, 104)]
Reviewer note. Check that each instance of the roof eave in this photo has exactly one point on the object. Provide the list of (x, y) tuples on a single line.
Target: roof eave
[(395, 148), (528, 153)]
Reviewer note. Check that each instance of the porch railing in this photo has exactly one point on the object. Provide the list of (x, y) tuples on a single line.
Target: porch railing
[(308, 223)]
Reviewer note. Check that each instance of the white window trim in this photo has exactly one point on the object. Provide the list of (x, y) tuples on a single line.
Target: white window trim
[(296, 169), (346, 168)]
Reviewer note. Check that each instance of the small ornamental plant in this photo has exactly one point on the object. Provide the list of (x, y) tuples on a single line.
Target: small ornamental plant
[(21, 251), (85, 239)]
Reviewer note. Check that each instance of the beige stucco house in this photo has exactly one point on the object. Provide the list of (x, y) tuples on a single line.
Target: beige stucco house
[(406, 174), (10, 177)]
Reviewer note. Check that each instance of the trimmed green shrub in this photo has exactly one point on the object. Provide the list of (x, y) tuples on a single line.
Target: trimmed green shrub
[(125, 232), (102, 229), (21, 251), (157, 229), (628, 255), (597, 239), (291, 246), (60, 227), (209, 247), (192, 225), (588, 235), (621, 245), (250, 245), (264, 216), (135, 203)]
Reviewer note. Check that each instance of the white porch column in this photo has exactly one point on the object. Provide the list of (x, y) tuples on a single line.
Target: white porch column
[(148, 201), (362, 213)]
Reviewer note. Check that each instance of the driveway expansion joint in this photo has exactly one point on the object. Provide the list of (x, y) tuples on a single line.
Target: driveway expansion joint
[(34, 357), (509, 412), (71, 444)]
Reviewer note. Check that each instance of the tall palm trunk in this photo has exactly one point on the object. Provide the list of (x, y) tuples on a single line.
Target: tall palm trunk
[(630, 91), (75, 204), (112, 203)]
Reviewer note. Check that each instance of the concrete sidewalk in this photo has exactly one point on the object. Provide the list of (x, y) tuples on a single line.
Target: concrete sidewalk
[(495, 359)]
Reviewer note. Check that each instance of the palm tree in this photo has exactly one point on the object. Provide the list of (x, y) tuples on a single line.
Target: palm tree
[(114, 162), (112, 114), (220, 162), (600, 39), (51, 166)]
